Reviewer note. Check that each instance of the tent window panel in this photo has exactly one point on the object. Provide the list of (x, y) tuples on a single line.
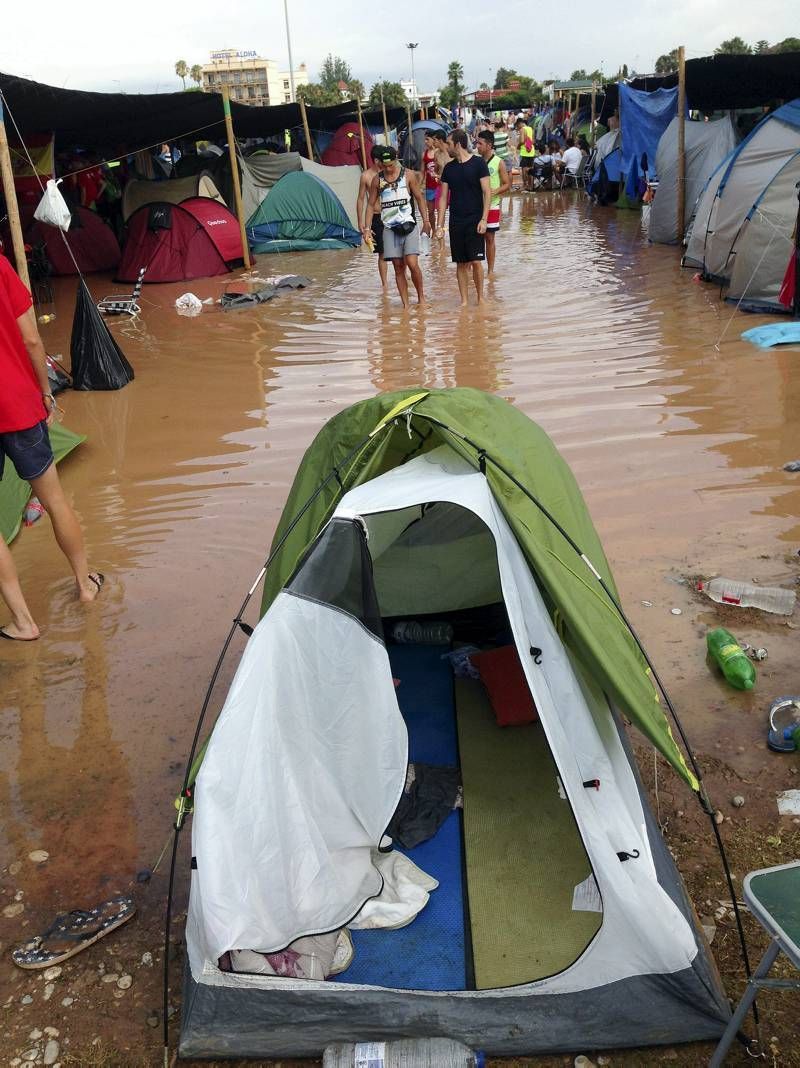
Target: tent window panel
[(337, 570)]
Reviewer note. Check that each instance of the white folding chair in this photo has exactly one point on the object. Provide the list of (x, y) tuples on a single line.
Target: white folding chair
[(578, 177), (117, 305)]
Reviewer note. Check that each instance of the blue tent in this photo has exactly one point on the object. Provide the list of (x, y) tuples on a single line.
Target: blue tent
[(643, 119)]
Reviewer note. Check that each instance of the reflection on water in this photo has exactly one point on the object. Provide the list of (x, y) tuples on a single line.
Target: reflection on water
[(602, 339)]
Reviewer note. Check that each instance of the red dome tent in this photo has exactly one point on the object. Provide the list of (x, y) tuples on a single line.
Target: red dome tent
[(93, 243), (345, 146), (177, 242)]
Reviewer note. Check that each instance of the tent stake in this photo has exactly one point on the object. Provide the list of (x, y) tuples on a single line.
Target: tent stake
[(681, 143), (237, 189), (12, 207), (361, 134)]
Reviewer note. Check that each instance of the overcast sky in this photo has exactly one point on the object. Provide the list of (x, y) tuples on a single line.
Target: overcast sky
[(136, 50)]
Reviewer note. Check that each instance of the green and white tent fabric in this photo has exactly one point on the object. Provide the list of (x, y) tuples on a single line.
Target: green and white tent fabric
[(260, 172), (400, 507), (301, 212), (342, 181), (14, 493)]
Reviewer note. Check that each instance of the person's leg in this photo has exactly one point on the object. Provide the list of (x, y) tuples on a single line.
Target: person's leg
[(490, 251), (47, 488), (377, 237), (412, 262), (383, 270), (477, 278), (462, 274), (401, 280), (22, 626)]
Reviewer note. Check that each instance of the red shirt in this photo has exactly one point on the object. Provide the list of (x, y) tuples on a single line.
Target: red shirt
[(21, 404)]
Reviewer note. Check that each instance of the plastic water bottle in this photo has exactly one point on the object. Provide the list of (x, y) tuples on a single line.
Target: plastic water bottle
[(402, 1053), (412, 633), (734, 663), (748, 595), (424, 244)]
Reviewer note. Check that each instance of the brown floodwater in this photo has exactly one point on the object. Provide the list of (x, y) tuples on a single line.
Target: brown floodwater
[(677, 443)]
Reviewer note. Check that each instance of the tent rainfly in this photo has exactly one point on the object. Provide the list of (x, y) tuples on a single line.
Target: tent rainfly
[(177, 242), (301, 212), (577, 932), (173, 191)]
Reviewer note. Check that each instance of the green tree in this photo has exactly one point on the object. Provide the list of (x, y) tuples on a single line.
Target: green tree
[(668, 63), (389, 93), (762, 47), (355, 89), (503, 76), (334, 70), (788, 44), (318, 96), (578, 75), (182, 70), (454, 90), (734, 47), (597, 76), (196, 73)]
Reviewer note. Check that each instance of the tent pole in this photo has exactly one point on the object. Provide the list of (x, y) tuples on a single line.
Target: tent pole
[(681, 143), (237, 189), (361, 133), (592, 131), (9, 189), (309, 149), (385, 122)]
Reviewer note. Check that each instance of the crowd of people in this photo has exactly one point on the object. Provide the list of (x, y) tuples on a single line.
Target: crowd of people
[(461, 177)]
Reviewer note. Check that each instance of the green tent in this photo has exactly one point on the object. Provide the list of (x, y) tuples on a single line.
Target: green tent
[(395, 426), (300, 213), (14, 492)]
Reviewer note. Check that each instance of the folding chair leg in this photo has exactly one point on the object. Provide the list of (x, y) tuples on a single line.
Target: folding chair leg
[(743, 1007)]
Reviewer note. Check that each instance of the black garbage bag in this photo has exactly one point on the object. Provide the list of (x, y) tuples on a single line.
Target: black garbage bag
[(57, 375), (97, 360)]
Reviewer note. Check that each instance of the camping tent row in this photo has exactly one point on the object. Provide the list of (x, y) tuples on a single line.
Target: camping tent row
[(553, 917), (741, 233)]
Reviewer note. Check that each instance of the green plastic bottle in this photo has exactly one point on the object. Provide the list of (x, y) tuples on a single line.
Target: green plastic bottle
[(733, 662)]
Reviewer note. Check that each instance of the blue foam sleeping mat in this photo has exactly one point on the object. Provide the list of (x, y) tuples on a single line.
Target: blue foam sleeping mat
[(428, 954)]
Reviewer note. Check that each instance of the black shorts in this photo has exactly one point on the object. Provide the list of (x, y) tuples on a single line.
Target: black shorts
[(377, 233), (28, 450), (526, 162), (466, 244)]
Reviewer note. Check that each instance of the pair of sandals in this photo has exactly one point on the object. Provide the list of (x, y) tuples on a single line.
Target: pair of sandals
[(96, 577), (73, 932)]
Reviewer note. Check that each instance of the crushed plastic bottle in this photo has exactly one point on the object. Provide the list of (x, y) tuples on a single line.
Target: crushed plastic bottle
[(748, 595), (34, 510), (402, 1053), (732, 660), (413, 633)]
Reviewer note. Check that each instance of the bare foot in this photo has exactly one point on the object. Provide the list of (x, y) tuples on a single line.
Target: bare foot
[(421, 302), (90, 587), (27, 633)]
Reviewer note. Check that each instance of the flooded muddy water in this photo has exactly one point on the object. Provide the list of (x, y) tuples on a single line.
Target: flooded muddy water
[(677, 443)]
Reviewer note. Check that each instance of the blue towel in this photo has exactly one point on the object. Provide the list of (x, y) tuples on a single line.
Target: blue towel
[(773, 334)]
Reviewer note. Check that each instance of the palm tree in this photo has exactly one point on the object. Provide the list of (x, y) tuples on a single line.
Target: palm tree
[(196, 73), (182, 69)]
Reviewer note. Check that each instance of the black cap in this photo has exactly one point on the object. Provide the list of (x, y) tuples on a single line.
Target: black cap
[(386, 154)]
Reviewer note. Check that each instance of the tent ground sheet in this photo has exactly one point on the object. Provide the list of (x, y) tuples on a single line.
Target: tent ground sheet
[(428, 954), (524, 855)]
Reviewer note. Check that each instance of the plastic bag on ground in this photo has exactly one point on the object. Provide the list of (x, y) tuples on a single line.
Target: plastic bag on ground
[(52, 208), (97, 360), (188, 304)]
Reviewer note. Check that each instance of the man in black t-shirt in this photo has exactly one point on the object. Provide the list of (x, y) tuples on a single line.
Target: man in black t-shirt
[(466, 179)]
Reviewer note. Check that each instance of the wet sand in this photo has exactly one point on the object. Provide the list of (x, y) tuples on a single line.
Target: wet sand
[(677, 443)]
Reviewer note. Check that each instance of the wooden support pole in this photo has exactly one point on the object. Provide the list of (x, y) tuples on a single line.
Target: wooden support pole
[(361, 135), (593, 125), (309, 147), (385, 122), (10, 192), (681, 143), (237, 189)]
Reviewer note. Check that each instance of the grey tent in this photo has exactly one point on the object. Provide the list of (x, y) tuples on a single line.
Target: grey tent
[(260, 172), (765, 243), (707, 145)]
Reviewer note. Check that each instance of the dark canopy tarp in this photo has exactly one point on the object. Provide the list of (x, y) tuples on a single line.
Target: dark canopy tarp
[(139, 119)]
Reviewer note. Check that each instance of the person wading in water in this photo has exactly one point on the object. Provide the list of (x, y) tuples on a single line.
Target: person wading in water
[(373, 237), (393, 193), (500, 182), (466, 178)]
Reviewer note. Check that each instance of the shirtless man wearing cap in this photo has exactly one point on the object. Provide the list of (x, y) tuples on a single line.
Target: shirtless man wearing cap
[(373, 237)]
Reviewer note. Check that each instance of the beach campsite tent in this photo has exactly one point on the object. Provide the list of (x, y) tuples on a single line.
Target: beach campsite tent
[(301, 213), (172, 191), (734, 188), (259, 173), (93, 244), (344, 148), (707, 144), (176, 242), (643, 119), (559, 921), (764, 244), (14, 492), (343, 182)]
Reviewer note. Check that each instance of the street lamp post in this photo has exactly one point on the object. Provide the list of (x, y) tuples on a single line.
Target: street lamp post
[(289, 49), (411, 46)]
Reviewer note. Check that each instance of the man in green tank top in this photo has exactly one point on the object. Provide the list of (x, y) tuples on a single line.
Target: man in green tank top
[(500, 184)]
